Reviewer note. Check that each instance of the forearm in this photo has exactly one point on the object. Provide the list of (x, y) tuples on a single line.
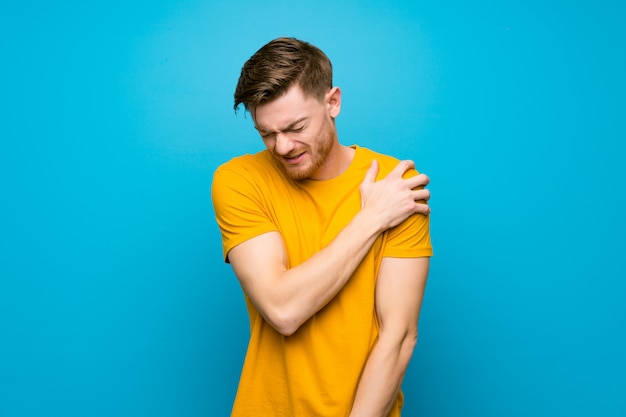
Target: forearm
[(399, 293), (289, 297), (382, 378), (312, 284), (384, 204)]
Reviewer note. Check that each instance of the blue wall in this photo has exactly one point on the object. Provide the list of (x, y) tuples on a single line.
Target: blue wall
[(114, 299)]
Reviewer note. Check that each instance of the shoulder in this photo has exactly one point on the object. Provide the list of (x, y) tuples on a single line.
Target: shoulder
[(250, 169), (245, 163), (250, 177), (386, 162)]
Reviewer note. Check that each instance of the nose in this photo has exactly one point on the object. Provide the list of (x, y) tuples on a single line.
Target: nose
[(284, 145)]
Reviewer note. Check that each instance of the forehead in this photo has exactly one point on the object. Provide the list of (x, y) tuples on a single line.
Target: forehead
[(292, 106)]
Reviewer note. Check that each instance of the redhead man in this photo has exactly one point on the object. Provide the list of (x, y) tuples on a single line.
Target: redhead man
[(330, 244)]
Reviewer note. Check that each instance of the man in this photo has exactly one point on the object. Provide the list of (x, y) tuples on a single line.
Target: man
[(330, 244)]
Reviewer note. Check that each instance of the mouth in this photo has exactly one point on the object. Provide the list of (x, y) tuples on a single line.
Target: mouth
[(294, 159)]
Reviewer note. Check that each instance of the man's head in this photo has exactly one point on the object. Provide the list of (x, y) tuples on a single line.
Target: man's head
[(287, 87), (279, 65)]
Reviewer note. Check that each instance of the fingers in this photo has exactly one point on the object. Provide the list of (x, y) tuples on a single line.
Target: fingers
[(418, 181), (422, 208), (422, 179), (402, 167), (421, 195), (372, 172)]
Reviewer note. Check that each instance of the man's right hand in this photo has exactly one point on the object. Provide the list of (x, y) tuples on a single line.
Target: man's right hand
[(288, 296), (393, 199)]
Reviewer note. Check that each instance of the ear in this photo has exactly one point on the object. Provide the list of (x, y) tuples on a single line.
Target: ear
[(333, 101)]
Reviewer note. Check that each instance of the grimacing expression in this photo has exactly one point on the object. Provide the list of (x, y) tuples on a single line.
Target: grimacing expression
[(298, 132)]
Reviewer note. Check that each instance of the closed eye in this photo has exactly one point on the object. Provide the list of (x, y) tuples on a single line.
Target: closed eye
[(264, 134), (297, 129)]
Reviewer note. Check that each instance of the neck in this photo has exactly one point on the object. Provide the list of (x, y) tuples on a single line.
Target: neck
[(336, 163)]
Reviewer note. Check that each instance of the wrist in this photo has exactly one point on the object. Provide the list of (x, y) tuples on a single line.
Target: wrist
[(367, 220)]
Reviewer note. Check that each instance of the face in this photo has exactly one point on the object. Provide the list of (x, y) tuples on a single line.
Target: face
[(299, 131)]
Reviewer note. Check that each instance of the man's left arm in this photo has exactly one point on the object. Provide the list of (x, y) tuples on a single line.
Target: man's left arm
[(399, 293)]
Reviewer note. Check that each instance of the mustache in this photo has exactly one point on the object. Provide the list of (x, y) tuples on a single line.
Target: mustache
[(291, 155)]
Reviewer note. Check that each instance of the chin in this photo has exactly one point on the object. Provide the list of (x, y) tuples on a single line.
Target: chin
[(297, 174), (300, 172)]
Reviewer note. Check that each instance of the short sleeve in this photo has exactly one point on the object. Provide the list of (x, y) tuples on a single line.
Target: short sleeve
[(240, 208), (410, 239)]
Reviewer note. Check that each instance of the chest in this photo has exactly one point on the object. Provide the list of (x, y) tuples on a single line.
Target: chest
[(309, 218)]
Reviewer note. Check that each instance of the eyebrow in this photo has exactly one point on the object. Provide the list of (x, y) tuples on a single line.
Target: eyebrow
[(288, 127)]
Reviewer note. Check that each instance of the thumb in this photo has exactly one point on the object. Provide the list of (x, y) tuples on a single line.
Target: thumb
[(372, 172)]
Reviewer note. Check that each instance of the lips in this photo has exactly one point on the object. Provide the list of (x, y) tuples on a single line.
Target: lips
[(296, 159)]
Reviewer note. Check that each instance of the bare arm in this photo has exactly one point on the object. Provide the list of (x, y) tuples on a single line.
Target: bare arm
[(399, 293), (288, 297)]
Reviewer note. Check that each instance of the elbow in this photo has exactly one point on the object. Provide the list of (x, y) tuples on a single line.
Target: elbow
[(283, 321), (407, 346), (285, 328), (399, 344), (281, 315)]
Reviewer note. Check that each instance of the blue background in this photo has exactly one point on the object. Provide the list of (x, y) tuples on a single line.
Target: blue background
[(114, 299)]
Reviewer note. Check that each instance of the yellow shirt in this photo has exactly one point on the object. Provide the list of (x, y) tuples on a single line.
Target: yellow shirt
[(315, 371)]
